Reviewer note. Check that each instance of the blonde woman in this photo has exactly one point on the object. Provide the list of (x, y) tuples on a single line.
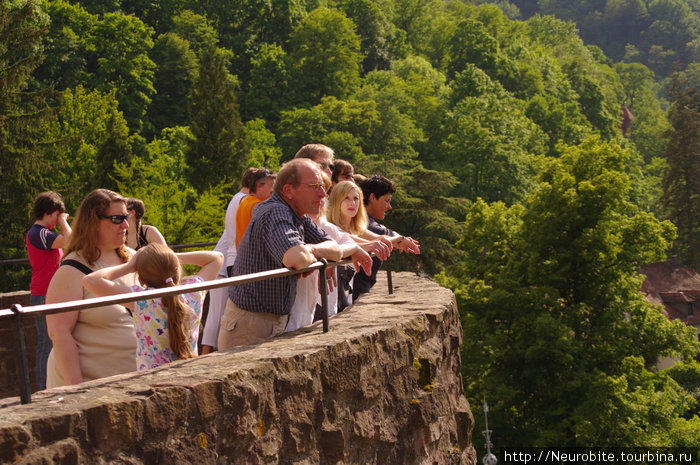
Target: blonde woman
[(346, 210)]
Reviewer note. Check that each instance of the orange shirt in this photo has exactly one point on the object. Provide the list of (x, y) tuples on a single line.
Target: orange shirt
[(244, 215)]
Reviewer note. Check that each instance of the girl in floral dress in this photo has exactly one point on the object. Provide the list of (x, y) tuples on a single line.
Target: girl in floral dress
[(167, 327)]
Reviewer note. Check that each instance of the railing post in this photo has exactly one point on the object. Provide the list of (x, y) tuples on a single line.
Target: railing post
[(390, 285), (323, 285), (25, 393)]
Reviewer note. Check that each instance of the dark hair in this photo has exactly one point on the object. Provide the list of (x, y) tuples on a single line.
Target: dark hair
[(247, 176), (47, 203), (377, 185), (137, 205), (259, 176), (341, 168)]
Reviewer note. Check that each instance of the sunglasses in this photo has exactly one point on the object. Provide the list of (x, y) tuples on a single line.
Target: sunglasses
[(116, 219), (325, 165)]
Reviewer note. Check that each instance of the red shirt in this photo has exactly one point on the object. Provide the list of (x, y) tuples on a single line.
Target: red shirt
[(42, 257)]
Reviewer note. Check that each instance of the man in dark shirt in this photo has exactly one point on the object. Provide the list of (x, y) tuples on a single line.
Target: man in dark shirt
[(280, 234), (376, 192)]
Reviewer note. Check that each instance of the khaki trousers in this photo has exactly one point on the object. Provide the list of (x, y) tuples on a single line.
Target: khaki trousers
[(241, 328)]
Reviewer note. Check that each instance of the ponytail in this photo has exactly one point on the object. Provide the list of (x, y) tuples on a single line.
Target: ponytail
[(158, 267), (177, 330)]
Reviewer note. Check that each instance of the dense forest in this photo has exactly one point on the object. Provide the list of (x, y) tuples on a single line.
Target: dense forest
[(501, 123)]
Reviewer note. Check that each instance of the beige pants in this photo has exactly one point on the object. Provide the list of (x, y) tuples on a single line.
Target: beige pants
[(241, 328)]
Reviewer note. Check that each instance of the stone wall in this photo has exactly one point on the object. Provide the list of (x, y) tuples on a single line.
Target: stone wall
[(9, 346), (383, 386)]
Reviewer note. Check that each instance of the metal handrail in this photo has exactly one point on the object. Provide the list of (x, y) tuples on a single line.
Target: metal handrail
[(20, 313), (25, 260)]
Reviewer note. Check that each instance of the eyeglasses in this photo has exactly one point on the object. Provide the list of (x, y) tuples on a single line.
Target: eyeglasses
[(316, 186), (324, 165), (116, 219)]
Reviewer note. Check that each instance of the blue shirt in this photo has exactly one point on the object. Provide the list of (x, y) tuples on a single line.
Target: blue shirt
[(274, 229)]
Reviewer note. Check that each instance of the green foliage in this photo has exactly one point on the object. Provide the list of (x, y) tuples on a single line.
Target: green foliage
[(196, 30), (22, 114), (219, 144), (66, 56), (89, 136), (326, 53), (176, 70), (181, 214), (681, 186), (377, 33), (557, 334), (121, 44), (262, 143), (269, 91), (486, 143)]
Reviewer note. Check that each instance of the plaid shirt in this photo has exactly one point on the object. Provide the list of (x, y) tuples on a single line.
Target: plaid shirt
[(274, 229)]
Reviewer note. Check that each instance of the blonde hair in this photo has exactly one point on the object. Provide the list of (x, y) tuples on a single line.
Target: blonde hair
[(84, 238), (155, 263), (358, 223)]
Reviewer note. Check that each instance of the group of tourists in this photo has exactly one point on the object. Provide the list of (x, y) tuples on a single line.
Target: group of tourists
[(314, 208)]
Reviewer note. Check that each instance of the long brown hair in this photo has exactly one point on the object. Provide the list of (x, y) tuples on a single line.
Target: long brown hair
[(155, 264), (84, 238)]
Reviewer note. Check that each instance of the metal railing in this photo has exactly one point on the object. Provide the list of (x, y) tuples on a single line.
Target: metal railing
[(25, 260), (19, 313)]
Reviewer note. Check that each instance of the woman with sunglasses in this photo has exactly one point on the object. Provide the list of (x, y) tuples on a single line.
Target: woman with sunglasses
[(96, 342)]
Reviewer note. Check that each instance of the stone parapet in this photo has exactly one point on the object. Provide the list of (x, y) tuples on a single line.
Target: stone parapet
[(383, 386), (10, 368)]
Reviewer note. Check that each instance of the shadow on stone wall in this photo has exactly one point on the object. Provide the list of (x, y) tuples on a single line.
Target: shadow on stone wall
[(383, 386)]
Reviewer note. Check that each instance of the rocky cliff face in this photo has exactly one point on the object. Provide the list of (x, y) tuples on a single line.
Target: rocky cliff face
[(383, 386)]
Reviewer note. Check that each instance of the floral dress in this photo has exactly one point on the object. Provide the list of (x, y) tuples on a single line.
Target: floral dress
[(151, 323)]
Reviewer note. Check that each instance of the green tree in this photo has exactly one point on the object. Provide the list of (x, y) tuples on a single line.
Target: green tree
[(219, 144), (66, 44), (649, 119), (262, 143), (376, 31), (269, 87), (89, 136), (559, 337), (121, 44), (21, 116), (681, 186), (325, 51), (176, 69), (181, 213), (196, 30), (487, 141)]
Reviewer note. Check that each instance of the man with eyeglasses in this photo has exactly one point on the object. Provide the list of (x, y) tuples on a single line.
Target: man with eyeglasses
[(320, 154), (279, 235)]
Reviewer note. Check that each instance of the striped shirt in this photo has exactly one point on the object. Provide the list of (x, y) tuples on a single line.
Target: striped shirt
[(274, 229)]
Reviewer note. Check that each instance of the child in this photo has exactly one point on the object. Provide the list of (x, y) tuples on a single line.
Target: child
[(44, 248), (166, 327)]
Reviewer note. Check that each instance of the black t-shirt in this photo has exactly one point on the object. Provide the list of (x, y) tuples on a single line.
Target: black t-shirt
[(363, 283)]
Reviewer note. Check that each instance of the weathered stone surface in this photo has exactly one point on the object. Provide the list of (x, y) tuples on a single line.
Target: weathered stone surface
[(383, 386)]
